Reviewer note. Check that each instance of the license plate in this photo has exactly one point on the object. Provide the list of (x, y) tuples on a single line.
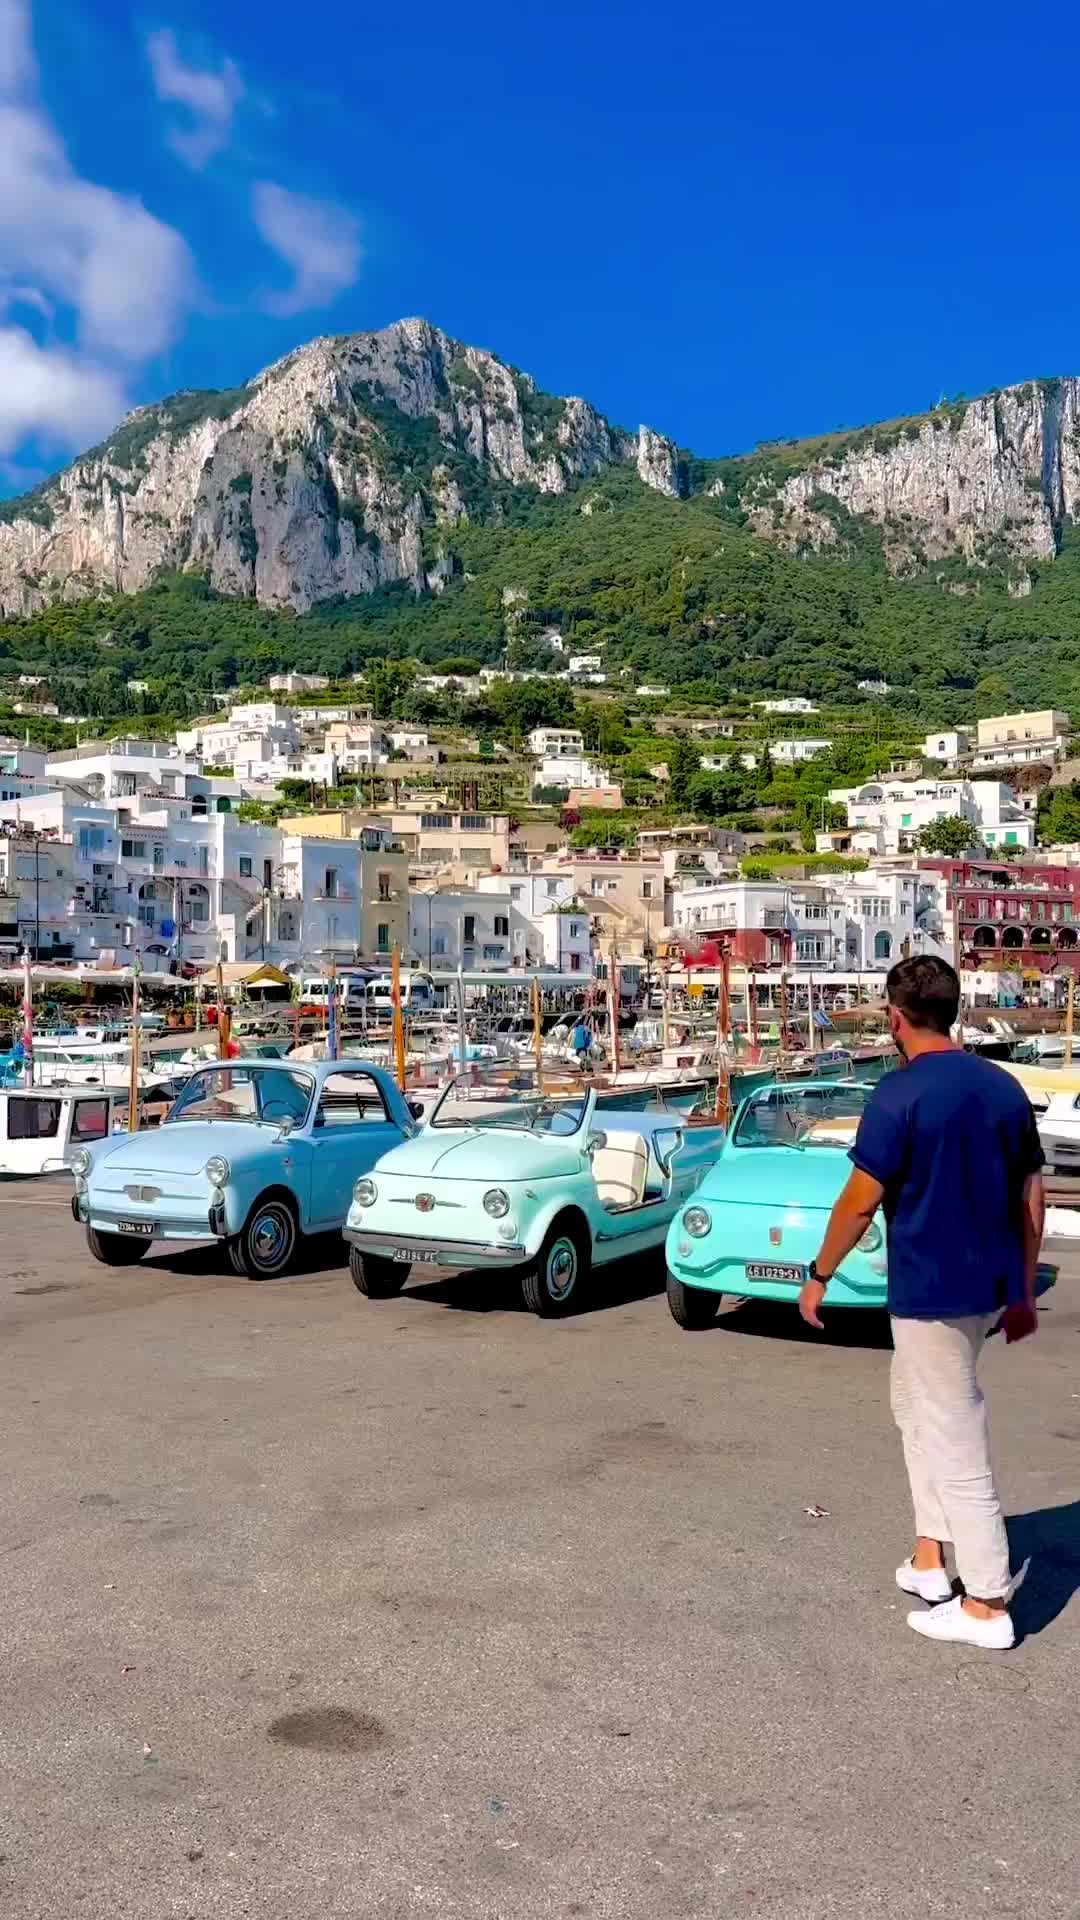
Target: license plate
[(410, 1254), (145, 1229), (771, 1270)]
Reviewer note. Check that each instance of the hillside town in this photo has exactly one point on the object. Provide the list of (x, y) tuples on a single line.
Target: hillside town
[(216, 846)]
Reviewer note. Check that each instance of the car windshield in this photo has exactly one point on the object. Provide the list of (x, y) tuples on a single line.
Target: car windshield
[(260, 1096), (512, 1099), (811, 1116)]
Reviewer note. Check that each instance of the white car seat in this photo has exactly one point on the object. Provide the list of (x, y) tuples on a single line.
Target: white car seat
[(620, 1170)]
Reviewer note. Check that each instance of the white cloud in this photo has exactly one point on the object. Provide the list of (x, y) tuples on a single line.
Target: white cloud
[(123, 277), (210, 95), (317, 239), (53, 394)]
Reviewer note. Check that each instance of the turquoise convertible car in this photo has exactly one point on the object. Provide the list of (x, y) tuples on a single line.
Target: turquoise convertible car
[(758, 1218)]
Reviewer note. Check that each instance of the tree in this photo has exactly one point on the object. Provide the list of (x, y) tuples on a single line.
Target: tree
[(684, 764), (1059, 816), (951, 836)]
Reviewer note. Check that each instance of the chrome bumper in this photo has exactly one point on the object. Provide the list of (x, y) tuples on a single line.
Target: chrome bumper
[(166, 1226), (439, 1253)]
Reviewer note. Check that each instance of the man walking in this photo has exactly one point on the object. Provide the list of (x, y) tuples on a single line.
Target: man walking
[(581, 1040), (949, 1148)]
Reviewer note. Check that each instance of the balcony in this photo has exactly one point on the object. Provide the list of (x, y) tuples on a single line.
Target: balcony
[(333, 899)]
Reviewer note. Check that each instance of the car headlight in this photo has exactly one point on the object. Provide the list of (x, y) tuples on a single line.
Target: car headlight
[(217, 1170), (496, 1202), (80, 1162), (697, 1221), (365, 1193), (871, 1239), (80, 1183)]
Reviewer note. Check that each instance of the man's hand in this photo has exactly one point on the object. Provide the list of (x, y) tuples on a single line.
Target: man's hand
[(810, 1299), (1019, 1321)]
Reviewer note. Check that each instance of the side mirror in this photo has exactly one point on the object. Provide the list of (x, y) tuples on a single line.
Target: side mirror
[(595, 1143), (285, 1127), (416, 1108)]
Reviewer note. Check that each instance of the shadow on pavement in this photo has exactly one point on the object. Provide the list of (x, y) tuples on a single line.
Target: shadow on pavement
[(1050, 1537), (775, 1320), (485, 1292), (319, 1255)]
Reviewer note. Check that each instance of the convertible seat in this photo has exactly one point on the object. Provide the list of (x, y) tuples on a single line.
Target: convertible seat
[(620, 1170)]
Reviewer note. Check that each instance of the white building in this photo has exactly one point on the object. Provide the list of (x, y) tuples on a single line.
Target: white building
[(877, 687), (408, 739), (566, 770), (548, 925), (584, 663), (554, 743), (648, 692), (297, 682), (791, 703), (255, 734), (788, 753), (892, 813), (950, 745), (356, 744)]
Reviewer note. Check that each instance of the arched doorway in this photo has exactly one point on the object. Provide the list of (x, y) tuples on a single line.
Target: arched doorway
[(1066, 937), (1013, 937), (883, 946), (1040, 937), (984, 937)]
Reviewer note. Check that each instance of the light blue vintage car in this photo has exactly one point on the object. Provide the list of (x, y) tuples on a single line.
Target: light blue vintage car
[(254, 1154), (759, 1217), (525, 1178)]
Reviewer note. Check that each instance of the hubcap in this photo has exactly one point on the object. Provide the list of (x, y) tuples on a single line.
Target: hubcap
[(269, 1238), (562, 1269)]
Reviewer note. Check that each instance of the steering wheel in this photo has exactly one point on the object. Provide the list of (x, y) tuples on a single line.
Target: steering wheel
[(286, 1112)]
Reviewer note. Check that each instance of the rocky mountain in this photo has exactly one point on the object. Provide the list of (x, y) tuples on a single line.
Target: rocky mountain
[(982, 481), (332, 473), (345, 467)]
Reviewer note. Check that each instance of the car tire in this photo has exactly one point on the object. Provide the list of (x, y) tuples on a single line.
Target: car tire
[(692, 1308), (115, 1249), (266, 1244), (376, 1278), (554, 1281)]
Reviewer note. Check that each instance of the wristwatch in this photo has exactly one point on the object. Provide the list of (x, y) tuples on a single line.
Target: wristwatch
[(813, 1274)]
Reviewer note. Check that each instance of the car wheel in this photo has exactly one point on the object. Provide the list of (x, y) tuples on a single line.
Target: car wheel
[(378, 1279), (266, 1243), (691, 1307), (116, 1249), (555, 1278)]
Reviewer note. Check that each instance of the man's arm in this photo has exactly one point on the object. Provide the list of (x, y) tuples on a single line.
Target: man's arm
[(848, 1221), (1018, 1321)]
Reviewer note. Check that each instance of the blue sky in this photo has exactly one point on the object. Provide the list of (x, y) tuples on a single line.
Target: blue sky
[(733, 222)]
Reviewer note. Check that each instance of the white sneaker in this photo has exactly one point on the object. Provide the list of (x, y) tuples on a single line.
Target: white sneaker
[(933, 1586), (953, 1622)]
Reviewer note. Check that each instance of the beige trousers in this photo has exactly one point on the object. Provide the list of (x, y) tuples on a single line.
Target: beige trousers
[(941, 1414)]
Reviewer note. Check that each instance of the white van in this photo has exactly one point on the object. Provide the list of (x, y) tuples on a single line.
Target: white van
[(417, 992), (351, 990)]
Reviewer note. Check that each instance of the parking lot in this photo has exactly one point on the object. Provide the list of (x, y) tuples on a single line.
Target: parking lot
[(314, 1606)]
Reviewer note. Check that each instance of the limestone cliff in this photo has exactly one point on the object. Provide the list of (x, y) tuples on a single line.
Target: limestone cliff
[(989, 478), (329, 474)]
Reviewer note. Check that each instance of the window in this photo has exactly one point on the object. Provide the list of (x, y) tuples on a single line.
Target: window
[(1012, 839), (551, 888), (146, 913), (331, 928), (438, 944), (574, 930), (245, 866), (469, 934), (435, 823), (475, 823), (382, 936), (432, 855), (204, 860), (494, 953), (596, 883), (330, 883), (575, 963), (474, 856), (91, 840), (646, 889), (905, 819), (350, 1100), (515, 893), (33, 1119), (199, 907), (159, 858), (90, 1120), (133, 849), (882, 946), (384, 886), (502, 925)]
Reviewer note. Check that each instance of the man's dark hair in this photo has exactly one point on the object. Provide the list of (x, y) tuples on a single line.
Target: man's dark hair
[(925, 990)]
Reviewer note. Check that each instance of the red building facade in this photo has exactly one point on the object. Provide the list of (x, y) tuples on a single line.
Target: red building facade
[(1013, 915)]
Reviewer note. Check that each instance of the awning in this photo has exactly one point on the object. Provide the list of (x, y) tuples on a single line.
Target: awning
[(245, 973)]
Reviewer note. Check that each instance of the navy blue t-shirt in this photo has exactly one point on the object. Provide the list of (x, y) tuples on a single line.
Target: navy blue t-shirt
[(952, 1140)]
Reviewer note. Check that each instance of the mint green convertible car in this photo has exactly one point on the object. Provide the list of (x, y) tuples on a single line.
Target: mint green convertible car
[(527, 1179), (757, 1220)]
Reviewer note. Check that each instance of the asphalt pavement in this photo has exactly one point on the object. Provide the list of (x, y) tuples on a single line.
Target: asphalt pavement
[(317, 1607)]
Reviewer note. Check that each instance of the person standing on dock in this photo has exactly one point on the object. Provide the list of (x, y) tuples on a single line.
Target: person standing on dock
[(950, 1150), (582, 1042)]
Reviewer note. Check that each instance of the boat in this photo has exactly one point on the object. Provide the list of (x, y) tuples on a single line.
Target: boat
[(40, 1131)]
